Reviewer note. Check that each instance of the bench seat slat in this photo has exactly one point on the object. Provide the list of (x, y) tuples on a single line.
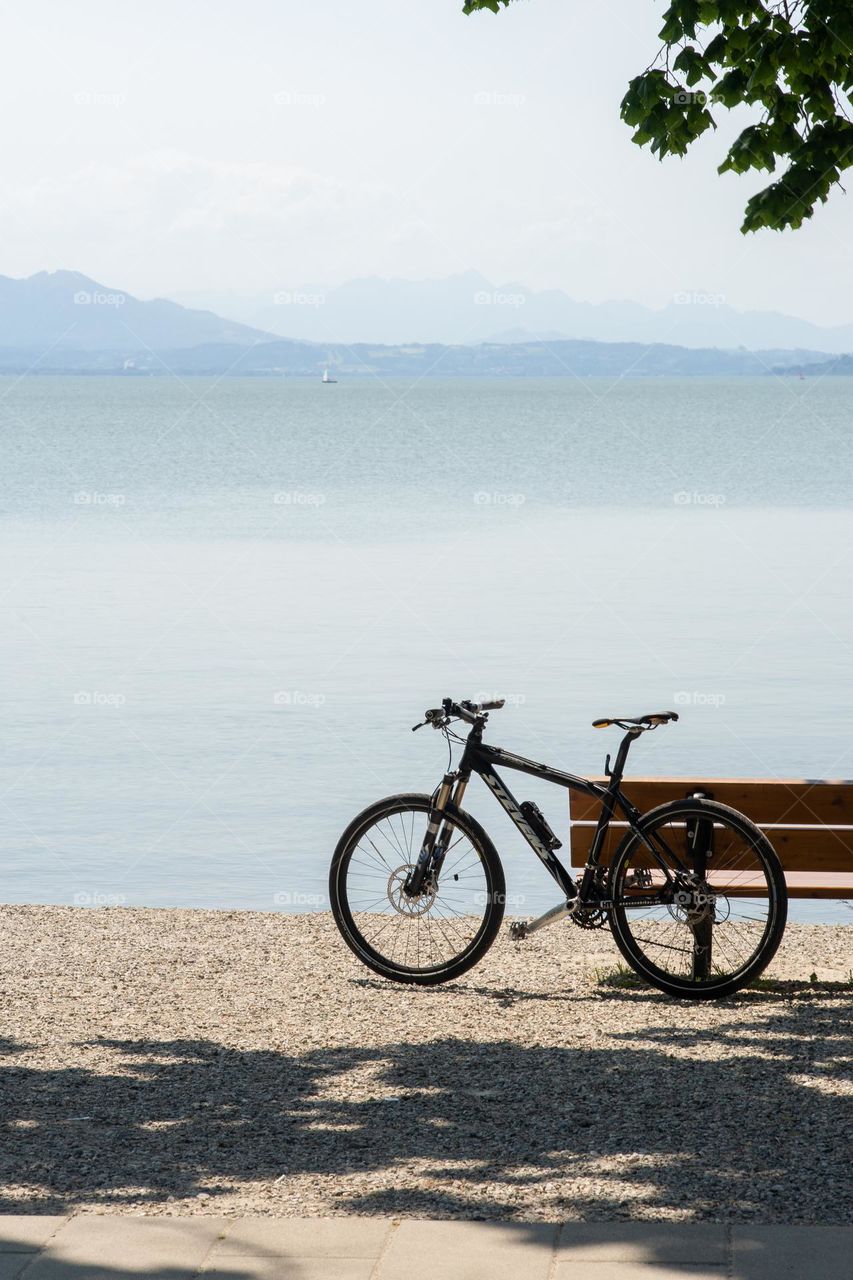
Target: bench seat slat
[(808, 884), (799, 849), (789, 802)]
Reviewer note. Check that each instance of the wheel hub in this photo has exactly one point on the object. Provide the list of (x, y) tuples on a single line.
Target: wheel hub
[(693, 903)]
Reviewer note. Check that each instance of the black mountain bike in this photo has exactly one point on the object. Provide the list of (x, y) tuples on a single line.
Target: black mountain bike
[(694, 893)]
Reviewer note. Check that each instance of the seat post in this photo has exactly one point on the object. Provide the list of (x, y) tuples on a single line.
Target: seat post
[(621, 756)]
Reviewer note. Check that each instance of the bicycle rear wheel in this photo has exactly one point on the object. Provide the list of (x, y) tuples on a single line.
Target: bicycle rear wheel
[(709, 934), (449, 926)]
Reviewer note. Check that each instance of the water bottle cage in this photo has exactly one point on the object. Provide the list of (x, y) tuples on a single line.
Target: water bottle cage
[(536, 820)]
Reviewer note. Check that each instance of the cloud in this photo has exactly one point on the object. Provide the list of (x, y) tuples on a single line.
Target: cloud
[(236, 211)]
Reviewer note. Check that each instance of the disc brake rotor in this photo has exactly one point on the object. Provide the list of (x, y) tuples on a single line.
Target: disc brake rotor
[(400, 900), (695, 905)]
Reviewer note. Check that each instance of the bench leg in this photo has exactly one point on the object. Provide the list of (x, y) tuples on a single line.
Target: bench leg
[(700, 841), (703, 941)]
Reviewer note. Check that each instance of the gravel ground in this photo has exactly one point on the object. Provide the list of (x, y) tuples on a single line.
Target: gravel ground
[(245, 1063)]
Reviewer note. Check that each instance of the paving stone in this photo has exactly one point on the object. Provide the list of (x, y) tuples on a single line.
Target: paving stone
[(117, 1247), (12, 1264), (421, 1250), (22, 1231), (642, 1242), (102, 1247), (801, 1253), (304, 1237), (578, 1269), (276, 1267)]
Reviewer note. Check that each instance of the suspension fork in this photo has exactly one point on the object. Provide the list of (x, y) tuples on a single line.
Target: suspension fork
[(434, 846), (443, 842)]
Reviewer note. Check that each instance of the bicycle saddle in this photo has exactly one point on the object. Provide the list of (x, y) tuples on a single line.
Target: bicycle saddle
[(650, 721)]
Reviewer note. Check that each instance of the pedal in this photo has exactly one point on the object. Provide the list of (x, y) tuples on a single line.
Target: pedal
[(518, 930)]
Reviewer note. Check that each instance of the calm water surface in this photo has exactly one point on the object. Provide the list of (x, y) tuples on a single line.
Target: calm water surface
[(226, 602)]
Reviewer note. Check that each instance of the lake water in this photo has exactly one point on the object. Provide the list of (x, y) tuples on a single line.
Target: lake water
[(225, 602)]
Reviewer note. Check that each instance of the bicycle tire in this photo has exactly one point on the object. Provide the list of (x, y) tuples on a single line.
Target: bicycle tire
[(345, 910), (742, 870)]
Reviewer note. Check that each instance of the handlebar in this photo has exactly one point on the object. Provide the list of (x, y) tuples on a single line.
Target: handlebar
[(471, 712)]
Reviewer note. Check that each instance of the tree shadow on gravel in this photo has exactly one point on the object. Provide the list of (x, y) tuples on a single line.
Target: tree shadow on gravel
[(749, 1120), (766, 990)]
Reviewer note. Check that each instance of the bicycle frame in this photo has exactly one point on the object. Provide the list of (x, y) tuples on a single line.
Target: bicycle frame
[(481, 758)]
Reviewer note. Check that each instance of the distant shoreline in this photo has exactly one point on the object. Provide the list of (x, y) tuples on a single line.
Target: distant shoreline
[(366, 375), (285, 358)]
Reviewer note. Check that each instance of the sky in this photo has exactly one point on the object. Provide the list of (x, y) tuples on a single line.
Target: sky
[(164, 149)]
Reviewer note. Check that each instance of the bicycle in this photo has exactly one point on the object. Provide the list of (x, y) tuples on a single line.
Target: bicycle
[(694, 893)]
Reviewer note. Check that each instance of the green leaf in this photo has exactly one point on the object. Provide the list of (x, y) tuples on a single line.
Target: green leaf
[(717, 49), (791, 64), (694, 66), (753, 149), (730, 88)]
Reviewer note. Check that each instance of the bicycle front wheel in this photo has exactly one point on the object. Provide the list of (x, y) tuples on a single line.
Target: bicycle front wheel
[(445, 929), (709, 933)]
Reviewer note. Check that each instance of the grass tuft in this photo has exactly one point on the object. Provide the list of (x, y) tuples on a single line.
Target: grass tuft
[(621, 978)]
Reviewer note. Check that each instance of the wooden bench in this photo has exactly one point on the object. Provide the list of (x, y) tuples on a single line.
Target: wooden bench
[(809, 823)]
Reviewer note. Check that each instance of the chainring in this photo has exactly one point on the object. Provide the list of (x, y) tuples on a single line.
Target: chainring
[(589, 917)]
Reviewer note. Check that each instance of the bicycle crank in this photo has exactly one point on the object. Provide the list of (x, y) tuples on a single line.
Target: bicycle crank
[(520, 929)]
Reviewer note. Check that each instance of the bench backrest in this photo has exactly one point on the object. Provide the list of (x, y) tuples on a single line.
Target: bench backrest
[(808, 822)]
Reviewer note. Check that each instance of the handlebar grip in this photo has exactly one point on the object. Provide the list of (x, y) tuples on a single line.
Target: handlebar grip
[(494, 705)]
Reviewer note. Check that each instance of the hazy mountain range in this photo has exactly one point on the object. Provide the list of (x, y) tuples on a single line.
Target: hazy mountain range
[(67, 310), (64, 322), (468, 308)]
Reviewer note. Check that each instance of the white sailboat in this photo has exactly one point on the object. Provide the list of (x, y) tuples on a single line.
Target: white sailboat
[(327, 377)]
